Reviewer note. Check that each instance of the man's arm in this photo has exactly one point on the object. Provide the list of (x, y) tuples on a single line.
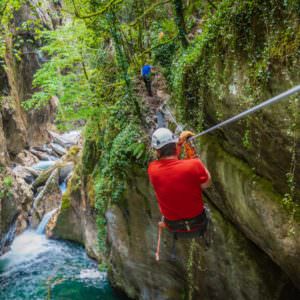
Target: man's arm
[(206, 184)]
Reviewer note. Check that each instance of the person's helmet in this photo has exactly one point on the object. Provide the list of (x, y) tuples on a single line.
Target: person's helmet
[(162, 137)]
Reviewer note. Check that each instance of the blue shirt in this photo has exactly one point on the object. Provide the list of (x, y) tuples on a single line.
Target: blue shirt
[(146, 70)]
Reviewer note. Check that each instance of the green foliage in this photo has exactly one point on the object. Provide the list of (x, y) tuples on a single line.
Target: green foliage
[(244, 51), (66, 74), (6, 184), (208, 66), (122, 146)]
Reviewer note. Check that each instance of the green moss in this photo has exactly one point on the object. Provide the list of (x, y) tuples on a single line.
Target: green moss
[(65, 202), (91, 191), (252, 34), (72, 154)]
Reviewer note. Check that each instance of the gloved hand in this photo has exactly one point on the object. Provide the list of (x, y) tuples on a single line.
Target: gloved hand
[(184, 136), (189, 148)]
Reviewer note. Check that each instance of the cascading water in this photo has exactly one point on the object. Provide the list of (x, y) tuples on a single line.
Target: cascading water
[(42, 226), (8, 238), (40, 268)]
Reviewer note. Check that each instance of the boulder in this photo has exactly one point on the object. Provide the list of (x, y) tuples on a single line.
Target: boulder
[(48, 199), (58, 149), (15, 203), (26, 173), (26, 158), (58, 139), (43, 165), (64, 170), (76, 220), (42, 155)]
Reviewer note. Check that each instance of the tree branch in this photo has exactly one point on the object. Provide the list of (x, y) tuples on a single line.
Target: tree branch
[(147, 11), (4, 8), (97, 13), (212, 4)]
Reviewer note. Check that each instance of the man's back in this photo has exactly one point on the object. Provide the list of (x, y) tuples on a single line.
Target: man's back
[(177, 184), (146, 70)]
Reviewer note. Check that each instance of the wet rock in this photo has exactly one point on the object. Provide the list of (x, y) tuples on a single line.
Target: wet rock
[(76, 220), (48, 199), (72, 137), (51, 224), (15, 200), (58, 149), (24, 173), (21, 223), (43, 165), (26, 158), (66, 140), (32, 171), (65, 170), (59, 140), (42, 155)]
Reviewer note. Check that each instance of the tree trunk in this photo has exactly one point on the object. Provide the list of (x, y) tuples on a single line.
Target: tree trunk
[(179, 19)]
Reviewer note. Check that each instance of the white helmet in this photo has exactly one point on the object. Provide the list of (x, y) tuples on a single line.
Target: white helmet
[(162, 137)]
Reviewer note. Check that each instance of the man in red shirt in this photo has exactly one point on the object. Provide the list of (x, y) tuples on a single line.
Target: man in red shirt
[(178, 184)]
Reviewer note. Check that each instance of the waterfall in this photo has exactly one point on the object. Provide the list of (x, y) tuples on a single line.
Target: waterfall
[(8, 238), (42, 226)]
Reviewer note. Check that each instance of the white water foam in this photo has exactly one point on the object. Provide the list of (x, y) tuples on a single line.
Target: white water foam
[(92, 274)]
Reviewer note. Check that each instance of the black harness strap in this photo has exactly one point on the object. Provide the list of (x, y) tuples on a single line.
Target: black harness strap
[(188, 227)]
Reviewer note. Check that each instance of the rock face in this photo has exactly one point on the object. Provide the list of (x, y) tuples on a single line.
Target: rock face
[(3, 147), (254, 164), (15, 203), (24, 128), (76, 220), (231, 266), (20, 129), (48, 198), (253, 205)]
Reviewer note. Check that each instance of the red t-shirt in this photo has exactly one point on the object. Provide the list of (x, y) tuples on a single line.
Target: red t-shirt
[(177, 186)]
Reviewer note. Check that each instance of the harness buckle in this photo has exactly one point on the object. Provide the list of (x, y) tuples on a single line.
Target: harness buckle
[(187, 226)]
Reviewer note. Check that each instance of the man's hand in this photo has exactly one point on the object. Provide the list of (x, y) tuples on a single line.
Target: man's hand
[(184, 136), (189, 148)]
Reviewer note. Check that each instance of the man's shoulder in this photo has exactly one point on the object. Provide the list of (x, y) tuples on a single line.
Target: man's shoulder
[(191, 161), (152, 165)]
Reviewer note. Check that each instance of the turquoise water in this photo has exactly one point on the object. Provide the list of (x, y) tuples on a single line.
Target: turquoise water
[(37, 268)]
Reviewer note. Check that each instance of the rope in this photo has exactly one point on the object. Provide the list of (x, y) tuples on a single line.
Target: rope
[(161, 226), (166, 109), (273, 100)]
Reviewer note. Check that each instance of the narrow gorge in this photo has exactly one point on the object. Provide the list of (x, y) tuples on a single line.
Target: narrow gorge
[(78, 215)]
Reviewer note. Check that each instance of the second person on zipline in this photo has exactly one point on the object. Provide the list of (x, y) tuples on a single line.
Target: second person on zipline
[(178, 184)]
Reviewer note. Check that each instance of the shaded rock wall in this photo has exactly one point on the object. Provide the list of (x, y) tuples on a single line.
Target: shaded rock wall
[(25, 128), (253, 205)]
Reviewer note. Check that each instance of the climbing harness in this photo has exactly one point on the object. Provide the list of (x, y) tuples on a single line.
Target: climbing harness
[(185, 228), (270, 101)]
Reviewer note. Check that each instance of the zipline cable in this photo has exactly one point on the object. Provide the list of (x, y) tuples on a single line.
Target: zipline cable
[(273, 100)]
